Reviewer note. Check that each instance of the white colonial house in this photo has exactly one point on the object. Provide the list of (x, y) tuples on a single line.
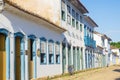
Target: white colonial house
[(103, 51), (41, 38), (99, 49), (30, 39), (73, 45), (89, 42), (107, 49), (115, 57)]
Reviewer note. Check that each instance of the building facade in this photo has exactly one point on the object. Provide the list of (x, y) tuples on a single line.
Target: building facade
[(89, 42), (115, 56), (103, 50), (47, 39), (73, 45), (30, 43)]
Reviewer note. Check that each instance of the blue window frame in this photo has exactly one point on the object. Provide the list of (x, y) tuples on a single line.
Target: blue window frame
[(68, 14), (57, 52), (51, 51), (43, 49)]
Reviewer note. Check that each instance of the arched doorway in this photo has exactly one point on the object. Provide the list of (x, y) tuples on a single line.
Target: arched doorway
[(19, 56), (32, 56), (4, 55)]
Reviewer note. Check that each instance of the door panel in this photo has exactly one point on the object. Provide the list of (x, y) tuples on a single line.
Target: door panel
[(64, 58), (2, 58), (17, 56), (30, 59), (69, 55), (74, 59), (78, 59)]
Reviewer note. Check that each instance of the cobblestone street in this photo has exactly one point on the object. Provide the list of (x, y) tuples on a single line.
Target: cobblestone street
[(110, 73)]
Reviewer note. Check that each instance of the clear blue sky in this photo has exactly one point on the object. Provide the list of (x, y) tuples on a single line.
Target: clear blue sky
[(106, 13)]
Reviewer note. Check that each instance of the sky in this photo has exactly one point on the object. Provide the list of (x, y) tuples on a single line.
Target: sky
[(106, 13)]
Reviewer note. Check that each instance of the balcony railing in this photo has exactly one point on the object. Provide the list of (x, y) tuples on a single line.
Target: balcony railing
[(89, 42)]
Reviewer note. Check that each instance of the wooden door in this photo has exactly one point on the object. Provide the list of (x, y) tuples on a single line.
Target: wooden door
[(2, 58), (30, 50), (64, 58), (17, 58)]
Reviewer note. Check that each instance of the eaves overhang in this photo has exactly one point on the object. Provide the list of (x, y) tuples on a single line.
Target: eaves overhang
[(90, 21), (35, 15), (79, 6)]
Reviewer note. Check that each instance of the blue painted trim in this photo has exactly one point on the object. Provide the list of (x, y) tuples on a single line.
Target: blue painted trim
[(57, 42), (43, 39), (7, 43), (4, 31), (19, 34), (14, 59), (33, 37), (7, 58), (34, 60), (22, 57), (51, 41)]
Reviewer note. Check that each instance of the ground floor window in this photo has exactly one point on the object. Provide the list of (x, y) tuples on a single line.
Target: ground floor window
[(51, 52), (57, 58), (51, 58), (43, 58), (57, 52), (43, 55)]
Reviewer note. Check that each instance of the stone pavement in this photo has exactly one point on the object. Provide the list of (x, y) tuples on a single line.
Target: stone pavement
[(110, 73)]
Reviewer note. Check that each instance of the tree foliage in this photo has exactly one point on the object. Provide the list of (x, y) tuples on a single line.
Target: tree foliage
[(115, 44)]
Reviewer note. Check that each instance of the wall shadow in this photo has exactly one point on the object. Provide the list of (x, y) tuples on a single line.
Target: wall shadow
[(117, 79), (116, 70)]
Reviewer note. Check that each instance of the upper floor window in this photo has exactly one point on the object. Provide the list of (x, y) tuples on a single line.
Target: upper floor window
[(77, 25), (80, 18), (43, 55), (77, 16), (68, 15), (73, 13), (85, 30), (68, 9), (81, 27), (69, 19), (73, 19), (63, 14), (73, 22), (51, 51)]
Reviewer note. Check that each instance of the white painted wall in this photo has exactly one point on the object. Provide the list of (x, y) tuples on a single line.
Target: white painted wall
[(116, 50), (98, 39), (16, 23), (72, 30)]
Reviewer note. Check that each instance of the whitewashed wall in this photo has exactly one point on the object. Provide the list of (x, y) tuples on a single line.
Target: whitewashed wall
[(16, 23)]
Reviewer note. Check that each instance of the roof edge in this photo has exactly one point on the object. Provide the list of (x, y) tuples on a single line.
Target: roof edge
[(91, 21), (35, 15)]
